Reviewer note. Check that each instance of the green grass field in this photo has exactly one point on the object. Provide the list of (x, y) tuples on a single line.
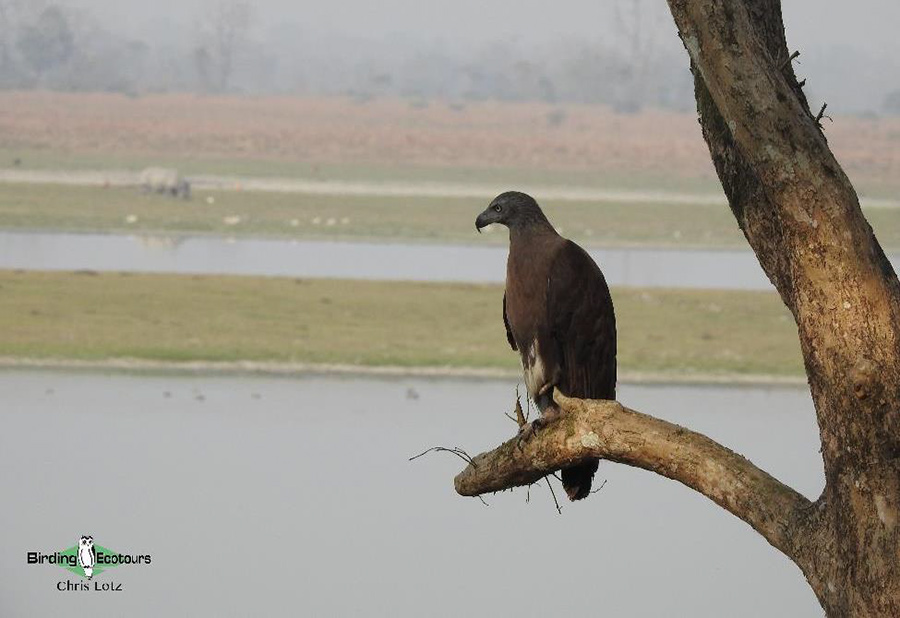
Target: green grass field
[(88, 316), (67, 208), (56, 207), (263, 167)]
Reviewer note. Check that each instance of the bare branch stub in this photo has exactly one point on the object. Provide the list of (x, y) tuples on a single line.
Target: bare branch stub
[(822, 114), (789, 59)]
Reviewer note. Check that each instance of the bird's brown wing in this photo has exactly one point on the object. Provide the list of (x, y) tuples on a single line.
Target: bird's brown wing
[(509, 335), (582, 325), (582, 328)]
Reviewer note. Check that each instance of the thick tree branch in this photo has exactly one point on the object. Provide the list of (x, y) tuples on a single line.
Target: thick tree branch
[(610, 431)]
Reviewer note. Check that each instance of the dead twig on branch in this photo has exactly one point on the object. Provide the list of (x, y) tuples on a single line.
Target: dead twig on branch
[(602, 485), (455, 450), (822, 114), (520, 419), (553, 493)]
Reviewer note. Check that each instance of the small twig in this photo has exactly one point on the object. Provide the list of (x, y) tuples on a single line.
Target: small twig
[(520, 418), (822, 114), (593, 491), (553, 493), (789, 59), (455, 450)]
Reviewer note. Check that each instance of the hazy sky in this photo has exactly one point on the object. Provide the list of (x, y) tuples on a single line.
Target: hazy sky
[(870, 25)]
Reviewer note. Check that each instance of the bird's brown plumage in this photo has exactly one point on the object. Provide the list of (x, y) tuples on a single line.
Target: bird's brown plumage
[(559, 315)]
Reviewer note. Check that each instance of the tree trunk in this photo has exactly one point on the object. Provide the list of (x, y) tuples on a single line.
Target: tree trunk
[(801, 216)]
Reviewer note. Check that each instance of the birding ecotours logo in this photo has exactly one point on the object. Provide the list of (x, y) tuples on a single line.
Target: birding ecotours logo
[(86, 559)]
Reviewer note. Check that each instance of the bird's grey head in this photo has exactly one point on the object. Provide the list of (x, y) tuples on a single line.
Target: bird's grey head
[(513, 209)]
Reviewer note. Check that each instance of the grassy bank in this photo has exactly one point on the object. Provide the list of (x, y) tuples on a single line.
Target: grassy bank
[(267, 167), (353, 217), (176, 318)]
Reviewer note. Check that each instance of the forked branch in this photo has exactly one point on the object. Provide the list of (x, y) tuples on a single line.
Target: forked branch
[(608, 430)]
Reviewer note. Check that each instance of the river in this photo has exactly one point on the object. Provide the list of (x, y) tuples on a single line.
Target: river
[(671, 268), (274, 496)]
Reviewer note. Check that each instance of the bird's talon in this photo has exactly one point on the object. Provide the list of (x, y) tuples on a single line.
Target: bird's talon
[(529, 430), (525, 434)]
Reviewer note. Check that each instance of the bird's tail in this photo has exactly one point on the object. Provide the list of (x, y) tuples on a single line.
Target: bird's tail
[(577, 480)]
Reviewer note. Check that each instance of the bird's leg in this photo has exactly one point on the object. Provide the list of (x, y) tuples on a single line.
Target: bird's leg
[(546, 391), (528, 430), (549, 413)]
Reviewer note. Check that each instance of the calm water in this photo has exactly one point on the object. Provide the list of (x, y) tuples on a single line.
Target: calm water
[(262, 496), (211, 255)]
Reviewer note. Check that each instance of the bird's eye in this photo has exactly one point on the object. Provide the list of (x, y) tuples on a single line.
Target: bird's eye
[(498, 207)]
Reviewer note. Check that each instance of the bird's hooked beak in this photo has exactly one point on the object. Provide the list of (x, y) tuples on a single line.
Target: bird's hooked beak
[(486, 218)]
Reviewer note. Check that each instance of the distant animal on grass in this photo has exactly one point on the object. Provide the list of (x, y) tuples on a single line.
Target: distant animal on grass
[(165, 181)]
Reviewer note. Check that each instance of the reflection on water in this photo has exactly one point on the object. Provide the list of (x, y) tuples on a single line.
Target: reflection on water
[(260, 496), (211, 255), (159, 243)]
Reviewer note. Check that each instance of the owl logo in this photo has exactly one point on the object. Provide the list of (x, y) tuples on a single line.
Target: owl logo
[(86, 557)]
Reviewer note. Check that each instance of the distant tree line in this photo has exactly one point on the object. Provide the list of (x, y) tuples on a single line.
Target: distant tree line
[(46, 45)]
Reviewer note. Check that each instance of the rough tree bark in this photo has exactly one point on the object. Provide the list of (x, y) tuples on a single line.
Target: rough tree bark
[(801, 215)]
